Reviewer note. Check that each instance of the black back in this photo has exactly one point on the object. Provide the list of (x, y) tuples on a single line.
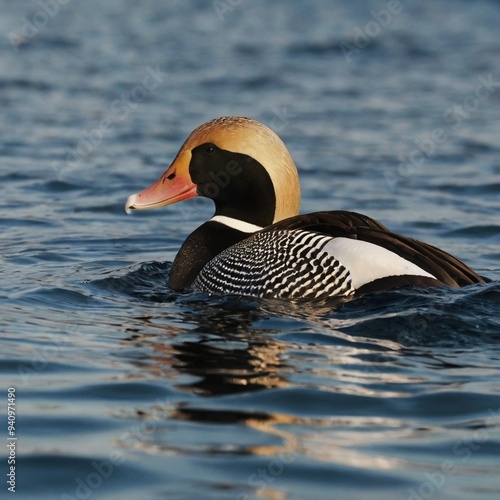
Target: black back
[(447, 269)]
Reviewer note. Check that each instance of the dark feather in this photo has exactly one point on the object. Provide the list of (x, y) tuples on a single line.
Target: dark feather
[(446, 268)]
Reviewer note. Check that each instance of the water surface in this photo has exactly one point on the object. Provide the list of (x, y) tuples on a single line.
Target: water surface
[(128, 390)]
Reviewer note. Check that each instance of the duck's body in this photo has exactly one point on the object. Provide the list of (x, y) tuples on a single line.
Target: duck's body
[(257, 245)]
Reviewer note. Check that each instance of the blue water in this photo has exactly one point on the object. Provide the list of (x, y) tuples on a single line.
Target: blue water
[(125, 389)]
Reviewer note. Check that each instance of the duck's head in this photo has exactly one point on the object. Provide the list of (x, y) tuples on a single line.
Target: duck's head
[(239, 163)]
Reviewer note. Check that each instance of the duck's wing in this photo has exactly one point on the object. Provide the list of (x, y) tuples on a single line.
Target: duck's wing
[(444, 267)]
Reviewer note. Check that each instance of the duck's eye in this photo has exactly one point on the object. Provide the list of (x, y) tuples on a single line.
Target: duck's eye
[(210, 149)]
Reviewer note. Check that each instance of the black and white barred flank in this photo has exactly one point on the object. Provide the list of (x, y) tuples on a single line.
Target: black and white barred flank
[(279, 264)]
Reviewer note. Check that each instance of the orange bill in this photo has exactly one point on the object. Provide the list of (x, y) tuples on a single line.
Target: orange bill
[(173, 186)]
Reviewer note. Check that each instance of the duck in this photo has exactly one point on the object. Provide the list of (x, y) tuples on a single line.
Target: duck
[(257, 245)]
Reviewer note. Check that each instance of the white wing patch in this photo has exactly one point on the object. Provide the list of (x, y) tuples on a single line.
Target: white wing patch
[(367, 262)]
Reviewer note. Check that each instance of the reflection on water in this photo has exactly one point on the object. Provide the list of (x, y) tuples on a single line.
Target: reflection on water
[(277, 392), (287, 396), (236, 361)]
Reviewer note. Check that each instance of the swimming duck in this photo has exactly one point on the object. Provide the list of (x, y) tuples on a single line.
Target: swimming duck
[(257, 245)]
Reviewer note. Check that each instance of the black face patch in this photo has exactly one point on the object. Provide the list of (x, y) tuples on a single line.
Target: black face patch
[(239, 185)]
